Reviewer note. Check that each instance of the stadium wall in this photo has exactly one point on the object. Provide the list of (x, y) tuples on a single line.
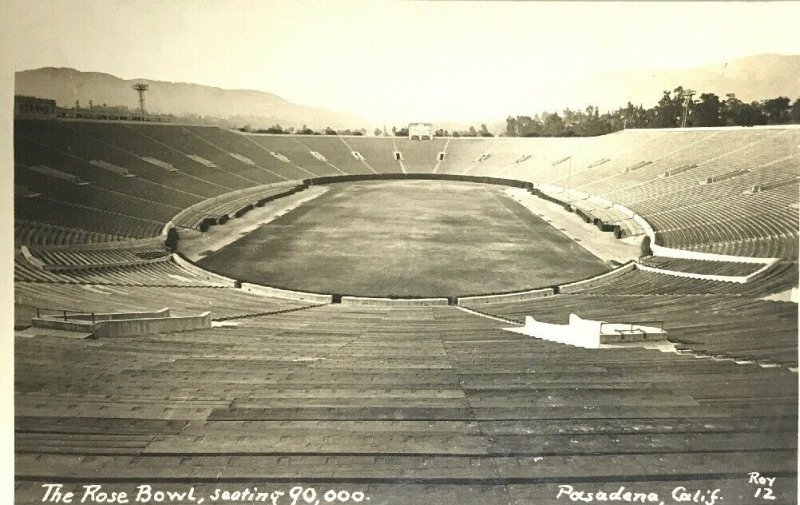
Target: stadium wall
[(394, 302), (286, 294), (519, 296), (573, 287)]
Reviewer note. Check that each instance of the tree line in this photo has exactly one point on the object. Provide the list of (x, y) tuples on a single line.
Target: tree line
[(483, 131), (674, 109), (277, 129)]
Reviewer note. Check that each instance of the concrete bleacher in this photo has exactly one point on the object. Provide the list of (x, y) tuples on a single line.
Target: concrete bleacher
[(68, 215), (40, 234), (336, 152), (702, 266), (420, 156), (258, 149), (154, 272), (378, 153), (400, 403), (211, 160), (73, 145), (463, 153), (408, 404), (66, 258)]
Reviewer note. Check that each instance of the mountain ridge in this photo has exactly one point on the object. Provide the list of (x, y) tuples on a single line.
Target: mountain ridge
[(66, 85)]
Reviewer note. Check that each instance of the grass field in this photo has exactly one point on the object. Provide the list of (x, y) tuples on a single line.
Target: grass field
[(407, 238)]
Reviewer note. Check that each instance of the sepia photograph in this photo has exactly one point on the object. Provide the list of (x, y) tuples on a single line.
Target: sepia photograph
[(400, 252)]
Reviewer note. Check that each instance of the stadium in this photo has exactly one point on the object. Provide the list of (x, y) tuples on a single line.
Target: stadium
[(204, 313), (413, 394)]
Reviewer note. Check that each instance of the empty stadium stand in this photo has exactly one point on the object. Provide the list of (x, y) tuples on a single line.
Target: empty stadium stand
[(402, 404), (406, 404)]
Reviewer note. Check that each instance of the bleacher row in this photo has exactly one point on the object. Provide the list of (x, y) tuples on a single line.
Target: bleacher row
[(778, 246), (160, 272), (185, 299), (37, 234), (88, 257), (780, 277), (701, 266)]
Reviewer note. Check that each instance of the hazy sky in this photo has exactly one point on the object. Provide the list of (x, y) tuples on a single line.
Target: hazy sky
[(394, 60)]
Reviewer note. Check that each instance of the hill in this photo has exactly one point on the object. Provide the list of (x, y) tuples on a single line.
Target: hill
[(66, 85)]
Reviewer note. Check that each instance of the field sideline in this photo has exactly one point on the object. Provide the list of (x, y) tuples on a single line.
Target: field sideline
[(407, 238)]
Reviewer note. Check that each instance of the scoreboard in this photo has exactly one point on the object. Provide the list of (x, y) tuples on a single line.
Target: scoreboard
[(420, 131)]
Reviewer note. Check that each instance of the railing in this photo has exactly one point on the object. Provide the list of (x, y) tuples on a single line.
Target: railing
[(63, 314)]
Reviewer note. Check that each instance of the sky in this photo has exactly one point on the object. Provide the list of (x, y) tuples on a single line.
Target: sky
[(398, 60)]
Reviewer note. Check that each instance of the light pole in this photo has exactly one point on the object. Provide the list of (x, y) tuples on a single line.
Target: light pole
[(140, 89)]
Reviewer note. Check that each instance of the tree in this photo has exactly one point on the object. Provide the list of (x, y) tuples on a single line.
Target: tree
[(552, 125), (737, 113), (377, 132), (511, 127), (329, 131), (777, 110), (633, 117), (528, 126), (730, 109), (795, 114), (669, 109), (707, 111)]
